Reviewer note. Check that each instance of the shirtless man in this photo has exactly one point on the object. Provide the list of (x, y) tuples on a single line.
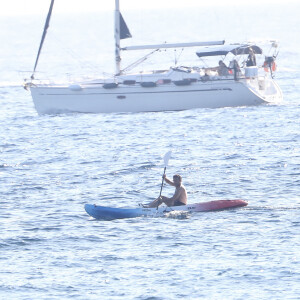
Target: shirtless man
[(179, 197)]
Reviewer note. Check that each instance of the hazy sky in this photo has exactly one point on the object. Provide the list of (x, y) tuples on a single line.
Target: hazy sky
[(17, 7)]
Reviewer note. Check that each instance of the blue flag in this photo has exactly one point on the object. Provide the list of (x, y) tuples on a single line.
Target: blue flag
[(124, 31)]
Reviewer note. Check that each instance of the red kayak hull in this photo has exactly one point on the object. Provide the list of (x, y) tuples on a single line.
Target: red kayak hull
[(216, 205)]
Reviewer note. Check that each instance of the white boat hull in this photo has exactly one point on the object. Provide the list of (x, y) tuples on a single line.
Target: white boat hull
[(93, 98)]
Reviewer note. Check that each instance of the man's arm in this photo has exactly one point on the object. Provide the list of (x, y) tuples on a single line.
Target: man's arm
[(167, 180)]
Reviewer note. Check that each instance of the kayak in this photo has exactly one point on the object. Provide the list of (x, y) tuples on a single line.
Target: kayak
[(112, 213)]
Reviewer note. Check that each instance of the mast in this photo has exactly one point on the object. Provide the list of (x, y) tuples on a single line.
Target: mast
[(117, 38)]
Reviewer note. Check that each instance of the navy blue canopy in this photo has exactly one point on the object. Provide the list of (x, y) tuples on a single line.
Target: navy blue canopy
[(236, 49)]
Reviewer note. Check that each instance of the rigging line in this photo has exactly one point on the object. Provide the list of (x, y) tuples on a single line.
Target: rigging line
[(139, 61), (74, 54), (43, 36), (178, 57), (270, 49), (204, 62), (170, 56), (276, 50)]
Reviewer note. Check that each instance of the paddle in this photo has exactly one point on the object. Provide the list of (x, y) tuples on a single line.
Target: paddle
[(166, 161)]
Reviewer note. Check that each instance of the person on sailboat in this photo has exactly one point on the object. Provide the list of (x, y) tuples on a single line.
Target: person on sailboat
[(179, 197), (222, 69), (251, 60), (234, 65)]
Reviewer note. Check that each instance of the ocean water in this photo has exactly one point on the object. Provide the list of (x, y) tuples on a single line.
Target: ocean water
[(51, 165)]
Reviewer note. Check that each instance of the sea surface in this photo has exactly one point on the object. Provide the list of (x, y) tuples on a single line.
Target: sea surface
[(51, 165)]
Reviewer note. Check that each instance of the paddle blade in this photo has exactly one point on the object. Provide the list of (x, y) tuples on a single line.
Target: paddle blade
[(167, 157)]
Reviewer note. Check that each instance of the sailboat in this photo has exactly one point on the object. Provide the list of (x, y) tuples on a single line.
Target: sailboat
[(241, 83)]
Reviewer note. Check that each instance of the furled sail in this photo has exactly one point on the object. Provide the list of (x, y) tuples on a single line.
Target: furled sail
[(124, 31), (43, 37)]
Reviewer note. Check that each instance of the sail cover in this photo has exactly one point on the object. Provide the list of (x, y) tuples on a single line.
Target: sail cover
[(124, 31), (237, 49)]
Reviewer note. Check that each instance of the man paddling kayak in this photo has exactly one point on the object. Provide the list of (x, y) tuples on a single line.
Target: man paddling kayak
[(179, 197)]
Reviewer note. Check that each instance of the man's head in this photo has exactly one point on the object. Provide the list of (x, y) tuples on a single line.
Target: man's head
[(177, 180)]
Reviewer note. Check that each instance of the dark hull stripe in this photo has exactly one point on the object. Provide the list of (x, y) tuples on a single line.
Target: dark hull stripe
[(144, 92)]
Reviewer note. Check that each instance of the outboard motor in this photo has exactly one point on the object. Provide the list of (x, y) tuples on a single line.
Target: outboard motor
[(270, 64)]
